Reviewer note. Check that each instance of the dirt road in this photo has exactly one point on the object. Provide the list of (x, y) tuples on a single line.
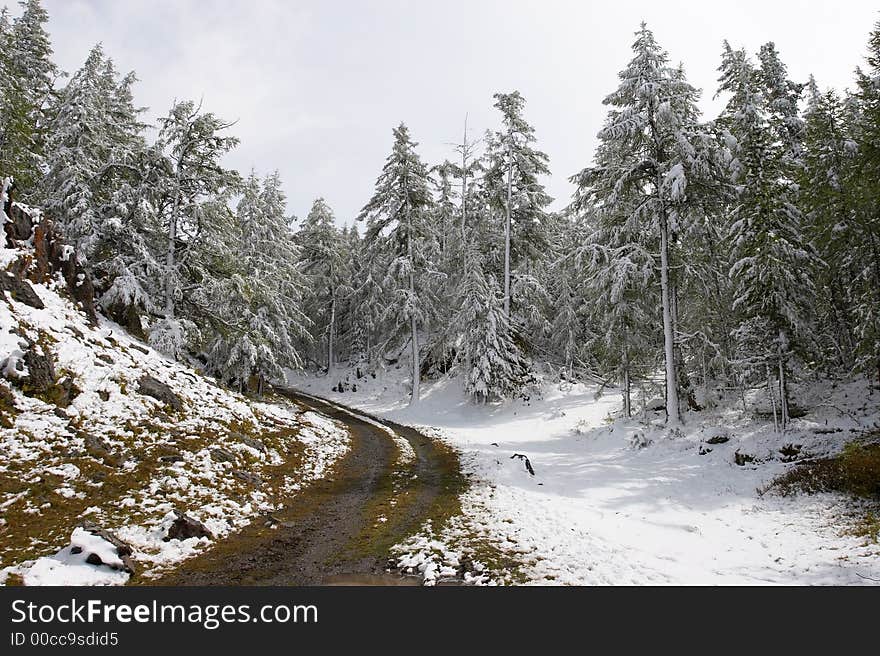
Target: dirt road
[(339, 530)]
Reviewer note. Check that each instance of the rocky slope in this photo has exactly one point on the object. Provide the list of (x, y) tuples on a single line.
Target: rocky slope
[(113, 458)]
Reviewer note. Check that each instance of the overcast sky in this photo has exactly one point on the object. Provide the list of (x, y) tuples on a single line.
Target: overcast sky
[(317, 86)]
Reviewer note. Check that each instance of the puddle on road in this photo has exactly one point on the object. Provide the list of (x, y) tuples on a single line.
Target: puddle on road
[(372, 579)]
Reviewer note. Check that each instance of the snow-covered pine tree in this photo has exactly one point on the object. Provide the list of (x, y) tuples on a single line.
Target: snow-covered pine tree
[(76, 149), (493, 366), (267, 258), (29, 77), (652, 157), (325, 264), (94, 134), (513, 169), (5, 81), (191, 204), (447, 220), (771, 257), (366, 303), (615, 258), (469, 168), (781, 98), (865, 185), (399, 224), (568, 332), (826, 198)]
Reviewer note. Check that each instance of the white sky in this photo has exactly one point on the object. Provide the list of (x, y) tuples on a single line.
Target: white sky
[(317, 86)]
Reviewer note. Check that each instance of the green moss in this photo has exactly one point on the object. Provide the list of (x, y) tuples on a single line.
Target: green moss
[(855, 471)]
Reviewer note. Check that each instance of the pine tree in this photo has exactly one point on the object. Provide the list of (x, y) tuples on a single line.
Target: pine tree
[(493, 366), (513, 170), (325, 265), (865, 185), (266, 289), (94, 132), (399, 223), (652, 157), (826, 199), (771, 261), (29, 76), (191, 205)]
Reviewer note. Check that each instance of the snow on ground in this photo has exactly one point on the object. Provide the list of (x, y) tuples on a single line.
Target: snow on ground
[(124, 460), (626, 502)]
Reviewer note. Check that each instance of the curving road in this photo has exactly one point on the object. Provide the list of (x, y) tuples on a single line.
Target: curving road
[(339, 529)]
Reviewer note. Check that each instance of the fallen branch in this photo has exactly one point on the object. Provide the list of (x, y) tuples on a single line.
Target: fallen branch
[(526, 460)]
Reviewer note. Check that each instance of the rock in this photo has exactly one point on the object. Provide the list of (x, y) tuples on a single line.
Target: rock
[(59, 412), (251, 479), (98, 448), (129, 317), (53, 255), (185, 527), (104, 357), (104, 395), (7, 407), (20, 226), (790, 452), (20, 290), (718, 439), (63, 392), (171, 458), (222, 455), (41, 371), (150, 386), (253, 443), (138, 347), (743, 459), (123, 550)]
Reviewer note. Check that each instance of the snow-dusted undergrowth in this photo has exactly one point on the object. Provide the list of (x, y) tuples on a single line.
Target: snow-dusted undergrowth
[(628, 502), (124, 460)]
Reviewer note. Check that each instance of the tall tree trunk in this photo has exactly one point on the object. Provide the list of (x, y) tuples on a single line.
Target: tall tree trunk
[(416, 365), (416, 368), (331, 329), (627, 397), (783, 386), (673, 412), (464, 159), (507, 234), (772, 399), (170, 255)]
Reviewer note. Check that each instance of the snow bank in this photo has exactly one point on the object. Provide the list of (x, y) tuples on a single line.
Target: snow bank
[(626, 502)]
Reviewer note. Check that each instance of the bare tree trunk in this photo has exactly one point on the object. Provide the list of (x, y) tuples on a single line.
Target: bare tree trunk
[(627, 401), (507, 234), (331, 330), (464, 159), (783, 390), (673, 412), (170, 255), (416, 368), (772, 399)]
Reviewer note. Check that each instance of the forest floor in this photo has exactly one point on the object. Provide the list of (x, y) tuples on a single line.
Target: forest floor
[(616, 501)]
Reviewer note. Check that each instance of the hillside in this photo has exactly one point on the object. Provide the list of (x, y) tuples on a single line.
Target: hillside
[(97, 426)]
